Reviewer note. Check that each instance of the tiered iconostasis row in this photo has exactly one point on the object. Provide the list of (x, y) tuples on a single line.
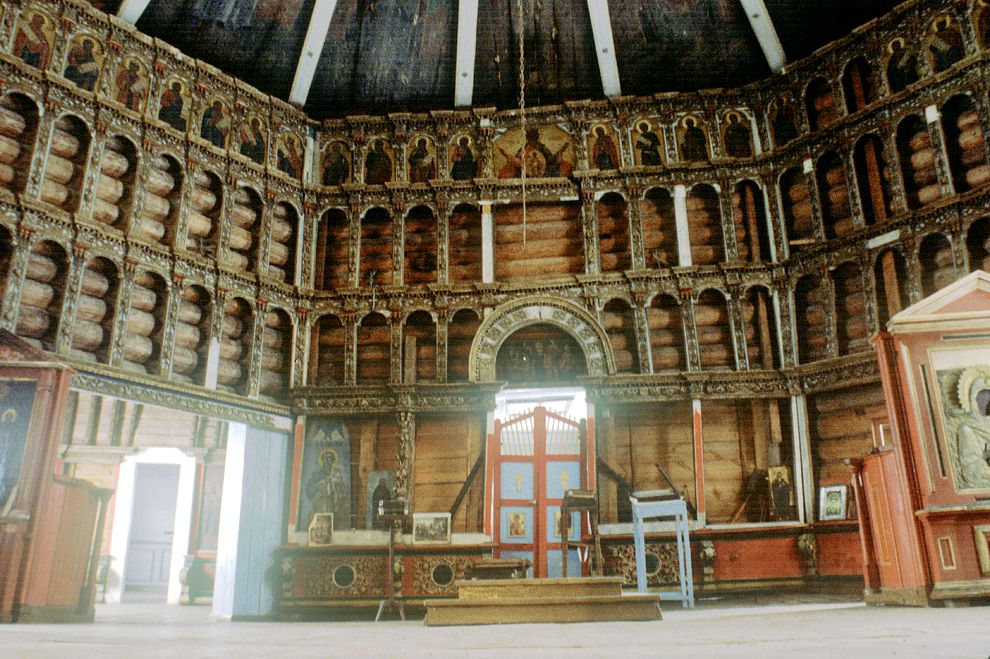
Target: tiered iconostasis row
[(730, 244)]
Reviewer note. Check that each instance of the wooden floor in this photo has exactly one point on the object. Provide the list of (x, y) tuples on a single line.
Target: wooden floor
[(754, 626)]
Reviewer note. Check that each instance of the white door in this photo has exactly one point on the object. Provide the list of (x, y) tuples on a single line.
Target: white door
[(149, 547)]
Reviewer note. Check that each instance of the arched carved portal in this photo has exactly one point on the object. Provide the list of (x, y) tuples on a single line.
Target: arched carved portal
[(513, 316)]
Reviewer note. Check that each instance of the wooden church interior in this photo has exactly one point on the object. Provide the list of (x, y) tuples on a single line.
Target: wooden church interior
[(214, 266)]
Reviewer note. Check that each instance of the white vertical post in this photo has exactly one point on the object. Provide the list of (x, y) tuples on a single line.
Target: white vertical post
[(766, 33), (487, 243), (467, 37), (601, 28), (316, 36), (681, 221), (230, 521), (132, 10)]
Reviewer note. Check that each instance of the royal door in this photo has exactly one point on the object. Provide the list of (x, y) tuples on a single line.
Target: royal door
[(536, 457)]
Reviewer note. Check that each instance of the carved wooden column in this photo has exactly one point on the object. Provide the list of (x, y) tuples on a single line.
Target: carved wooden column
[(828, 293), (21, 243), (301, 347), (443, 238), (895, 174), (350, 347), (70, 301), (224, 221), (733, 298), (171, 318), (774, 217), (692, 353), (589, 223), (727, 219), (635, 214), (309, 230), (814, 199), (216, 338), (407, 451), (849, 170), (91, 169), (181, 231), (399, 214), (257, 349), (443, 319), (264, 235), (933, 121), (123, 312), (785, 319), (642, 329), (395, 343), (354, 242), (42, 145), (357, 176), (912, 266)]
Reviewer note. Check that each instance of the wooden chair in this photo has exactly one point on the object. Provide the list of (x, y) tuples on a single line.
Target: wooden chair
[(581, 501)]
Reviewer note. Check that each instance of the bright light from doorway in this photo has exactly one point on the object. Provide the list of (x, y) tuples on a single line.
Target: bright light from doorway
[(566, 401)]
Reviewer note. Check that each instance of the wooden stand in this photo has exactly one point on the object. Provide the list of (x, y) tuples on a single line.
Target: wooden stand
[(676, 508), (581, 501), (391, 602)]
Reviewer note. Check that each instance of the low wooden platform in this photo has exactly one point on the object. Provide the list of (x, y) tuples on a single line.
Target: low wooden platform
[(512, 601)]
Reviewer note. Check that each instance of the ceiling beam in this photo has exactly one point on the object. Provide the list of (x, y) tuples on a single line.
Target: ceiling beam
[(766, 33), (467, 38), (309, 58), (601, 27), (131, 10)]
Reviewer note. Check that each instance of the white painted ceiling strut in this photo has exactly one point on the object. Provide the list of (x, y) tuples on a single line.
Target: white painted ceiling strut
[(131, 10), (467, 37), (601, 27), (766, 33), (316, 36)]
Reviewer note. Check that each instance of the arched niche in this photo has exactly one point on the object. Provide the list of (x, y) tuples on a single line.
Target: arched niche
[(192, 335), (834, 191), (613, 228), (513, 316), (964, 143), (871, 179), (420, 252), (850, 308), (419, 348), (750, 220), (236, 341), (461, 330), (663, 318), (326, 352), (376, 248), (19, 124), (704, 216), (42, 293), (245, 221), (811, 319), (95, 311), (760, 329), (374, 363), (714, 329), (332, 251), (820, 102), (115, 184), (656, 212), (65, 170), (914, 148), (620, 325), (162, 199), (890, 277), (6, 252), (276, 354), (282, 248), (145, 321), (978, 245), (206, 204), (539, 354), (464, 245), (938, 267), (858, 84)]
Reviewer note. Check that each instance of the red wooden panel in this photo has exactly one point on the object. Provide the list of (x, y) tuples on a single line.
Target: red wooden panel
[(757, 558)]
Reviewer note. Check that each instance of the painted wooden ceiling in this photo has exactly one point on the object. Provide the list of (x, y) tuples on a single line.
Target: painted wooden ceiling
[(394, 55)]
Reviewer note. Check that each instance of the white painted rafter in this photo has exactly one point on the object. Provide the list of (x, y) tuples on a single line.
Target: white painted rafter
[(309, 58), (601, 28), (467, 39), (766, 33), (131, 10)]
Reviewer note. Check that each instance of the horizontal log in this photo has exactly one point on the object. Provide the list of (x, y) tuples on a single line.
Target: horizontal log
[(12, 124), (159, 182), (187, 335), (272, 360), (920, 141), (7, 176), (835, 177), (697, 203), (234, 260), (667, 318), (967, 120), (854, 303), (199, 225), (229, 372), (849, 399), (54, 193), (64, 144), (928, 194), (564, 229), (278, 254), (702, 255), (32, 321), (813, 315), (923, 158), (706, 235), (232, 350), (615, 262), (41, 268), (184, 360), (714, 335), (843, 226), (973, 157), (272, 383), (87, 336), (798, 192), (109, 189), (141, 323), (853, 327), (149, 229), (239, 239), (138, 349), (824, 103), (105, 212), (244, 217), (943, 278), (282, 231), (10, 150), (157, 208), (244, 197), (203, 200), (143, 297), (275, 339), (709, 315), (667, 337), (717, 355), (666, 358), (114, 164), (92, 309), (977, 176), (37, 293), (971, 138), (536, 267)]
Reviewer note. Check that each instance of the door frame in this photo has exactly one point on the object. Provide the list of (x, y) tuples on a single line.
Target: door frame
[(123, 508), (540, 546)]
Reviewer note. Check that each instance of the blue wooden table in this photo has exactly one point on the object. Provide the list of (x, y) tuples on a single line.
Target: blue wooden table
[(676, 508)]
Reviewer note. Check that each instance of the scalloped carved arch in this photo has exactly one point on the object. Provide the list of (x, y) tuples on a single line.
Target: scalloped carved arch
[(515, 315)]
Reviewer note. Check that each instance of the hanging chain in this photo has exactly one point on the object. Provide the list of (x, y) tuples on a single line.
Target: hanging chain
[(522, 105)]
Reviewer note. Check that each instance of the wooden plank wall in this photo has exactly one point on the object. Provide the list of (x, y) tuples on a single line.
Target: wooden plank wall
[(840, 426), (554, 241), (446, 449)]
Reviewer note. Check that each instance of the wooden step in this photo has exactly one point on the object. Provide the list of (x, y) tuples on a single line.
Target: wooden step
[(514, 601), (489, 590)]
